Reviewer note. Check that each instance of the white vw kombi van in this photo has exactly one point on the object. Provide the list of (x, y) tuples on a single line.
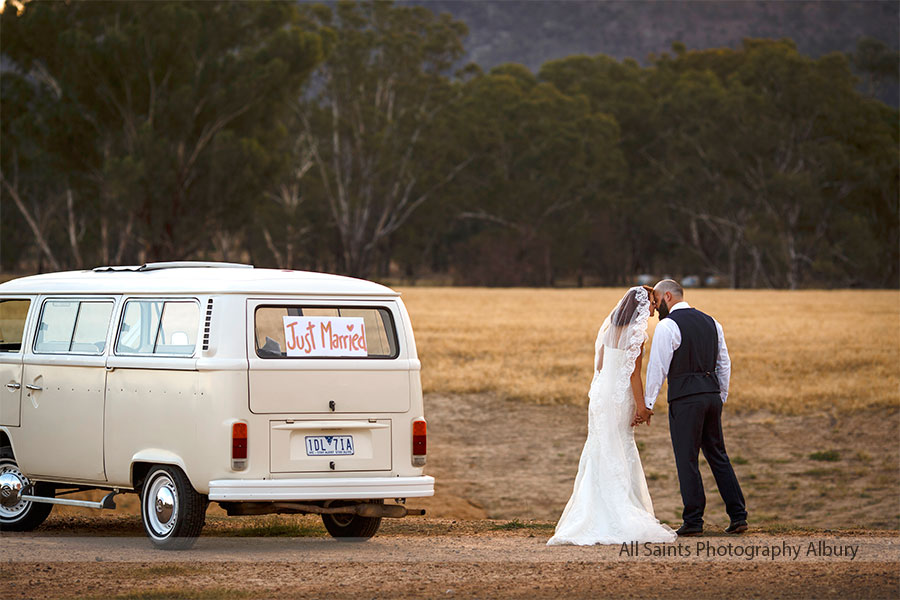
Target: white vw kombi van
[(187, 383)]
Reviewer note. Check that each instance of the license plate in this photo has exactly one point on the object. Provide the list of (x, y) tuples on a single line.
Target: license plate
[(329, 445)]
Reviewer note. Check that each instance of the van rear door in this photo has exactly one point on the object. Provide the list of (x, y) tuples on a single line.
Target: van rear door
[(327, 358), (334, 373)]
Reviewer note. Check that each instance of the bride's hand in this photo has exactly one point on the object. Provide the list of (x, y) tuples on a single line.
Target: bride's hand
[(642, 415)]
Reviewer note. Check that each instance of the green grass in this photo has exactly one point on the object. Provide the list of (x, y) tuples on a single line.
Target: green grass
[(517, 524), (827, 456), (739, 460)]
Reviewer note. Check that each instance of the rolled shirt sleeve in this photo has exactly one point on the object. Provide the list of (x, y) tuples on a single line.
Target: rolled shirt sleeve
[(723, 364), (666, 339)]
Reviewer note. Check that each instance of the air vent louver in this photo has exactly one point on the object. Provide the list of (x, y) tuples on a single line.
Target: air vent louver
[(206, 324)]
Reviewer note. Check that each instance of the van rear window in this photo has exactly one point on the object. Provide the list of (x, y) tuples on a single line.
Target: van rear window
[(325, 332)]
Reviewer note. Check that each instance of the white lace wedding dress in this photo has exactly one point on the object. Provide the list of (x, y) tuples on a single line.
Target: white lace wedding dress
[(610, 502)]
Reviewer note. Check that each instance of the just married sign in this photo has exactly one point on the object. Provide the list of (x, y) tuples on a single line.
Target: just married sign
[(325, 336)]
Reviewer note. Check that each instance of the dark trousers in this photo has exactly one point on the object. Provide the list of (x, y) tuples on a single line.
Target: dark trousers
[(695, 423)]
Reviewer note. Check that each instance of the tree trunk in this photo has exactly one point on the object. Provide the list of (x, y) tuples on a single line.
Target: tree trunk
[(104, 240), (32, 224), (549, 278), (733, 265), (73, 234)]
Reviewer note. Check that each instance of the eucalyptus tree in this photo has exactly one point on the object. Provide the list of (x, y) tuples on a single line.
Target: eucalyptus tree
[(371, 121), (780, 149), (628, 231), (158, 119), (544, 159)]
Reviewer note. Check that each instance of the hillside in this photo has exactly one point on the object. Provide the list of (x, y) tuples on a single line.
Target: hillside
[(533, 32)]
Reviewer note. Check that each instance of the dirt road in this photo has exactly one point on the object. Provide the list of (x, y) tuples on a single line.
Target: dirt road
[(512, 460), (505, 459), (444, 558)]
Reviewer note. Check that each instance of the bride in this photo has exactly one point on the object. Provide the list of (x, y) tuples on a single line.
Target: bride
[(610, 503)]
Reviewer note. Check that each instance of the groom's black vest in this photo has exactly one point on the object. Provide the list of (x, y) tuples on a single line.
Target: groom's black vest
[(693, 367)]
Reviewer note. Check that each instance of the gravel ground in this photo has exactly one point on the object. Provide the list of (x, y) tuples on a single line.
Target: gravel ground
[(446, 558), (508, 460)]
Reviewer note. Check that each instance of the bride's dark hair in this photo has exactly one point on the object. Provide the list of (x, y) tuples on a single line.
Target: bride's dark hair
[(626, 311), (625, 326)]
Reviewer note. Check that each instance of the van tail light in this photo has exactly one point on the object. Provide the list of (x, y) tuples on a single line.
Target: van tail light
[(239, 446), (418, 443)]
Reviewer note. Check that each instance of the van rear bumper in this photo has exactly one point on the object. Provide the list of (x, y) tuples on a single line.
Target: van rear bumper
[(343, 488)]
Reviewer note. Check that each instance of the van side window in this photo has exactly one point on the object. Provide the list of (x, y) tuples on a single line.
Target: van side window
[(380, 334), (159, 327), (73, 327), (91, 328), (178, 328), (140, 323), (12, 324)]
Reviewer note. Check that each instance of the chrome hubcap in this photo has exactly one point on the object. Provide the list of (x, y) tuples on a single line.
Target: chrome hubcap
[(161, 505), (12, 482), (165, 502)]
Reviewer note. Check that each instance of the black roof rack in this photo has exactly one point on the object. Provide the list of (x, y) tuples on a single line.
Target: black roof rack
[(177, 264)]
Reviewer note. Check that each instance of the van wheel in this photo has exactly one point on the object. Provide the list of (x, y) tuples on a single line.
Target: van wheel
[(172, 511), (343, 526), (21, 515)]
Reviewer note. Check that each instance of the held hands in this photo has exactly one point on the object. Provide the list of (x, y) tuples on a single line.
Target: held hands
[(641, 415)]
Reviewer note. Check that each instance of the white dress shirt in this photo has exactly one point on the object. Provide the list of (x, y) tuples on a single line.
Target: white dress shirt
[(666, 340)]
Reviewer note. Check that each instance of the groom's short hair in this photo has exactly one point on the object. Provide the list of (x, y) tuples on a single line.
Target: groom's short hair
[(670, 285)]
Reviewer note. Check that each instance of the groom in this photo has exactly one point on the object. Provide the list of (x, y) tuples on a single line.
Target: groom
[(689, 347)]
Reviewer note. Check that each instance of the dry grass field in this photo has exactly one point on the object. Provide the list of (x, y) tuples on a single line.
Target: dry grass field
[(815, 401), (792, 352)]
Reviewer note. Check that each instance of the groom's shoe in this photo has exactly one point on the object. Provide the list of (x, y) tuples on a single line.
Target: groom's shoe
[(689, 530), (737, 527)]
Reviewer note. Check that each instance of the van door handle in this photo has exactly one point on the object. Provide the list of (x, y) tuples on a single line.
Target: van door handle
[(31, 386), (13, 386)]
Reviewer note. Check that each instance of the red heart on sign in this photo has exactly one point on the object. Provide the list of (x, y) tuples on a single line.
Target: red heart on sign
[(349, 327)]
